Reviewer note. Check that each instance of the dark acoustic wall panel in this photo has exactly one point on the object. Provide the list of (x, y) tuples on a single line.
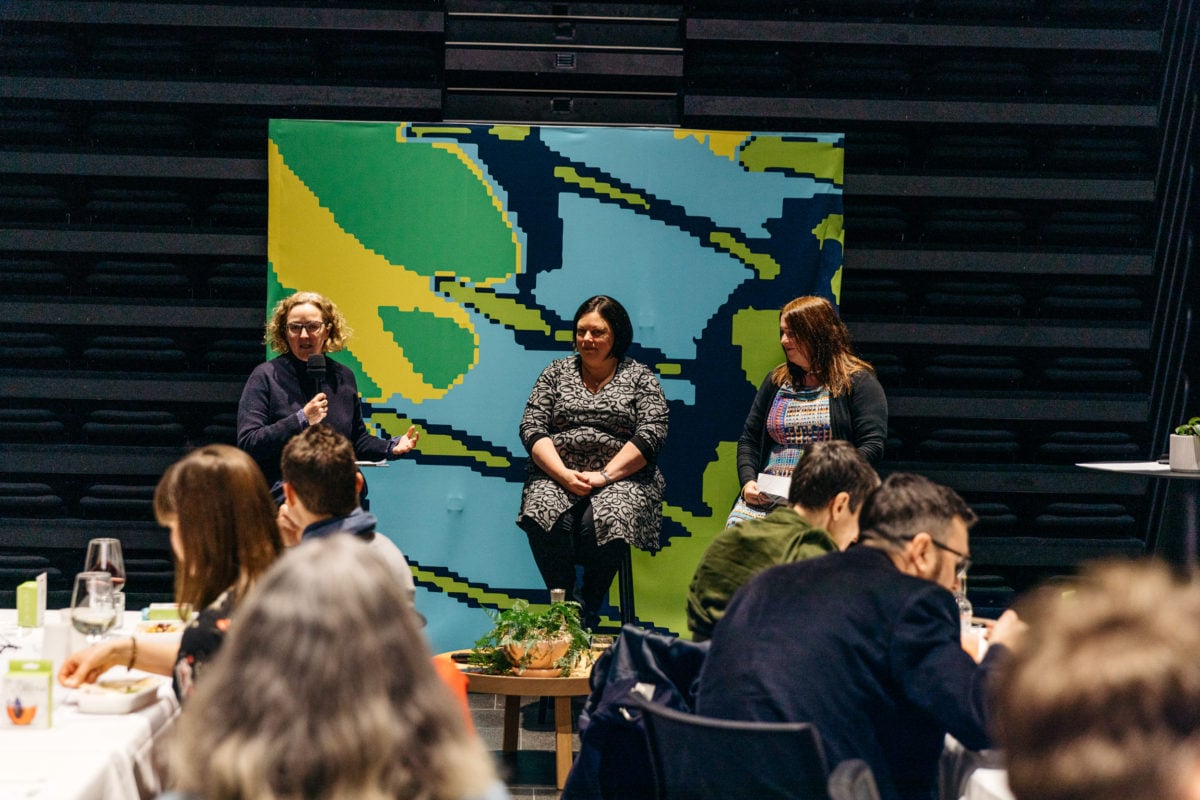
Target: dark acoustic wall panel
[(1019, 226)]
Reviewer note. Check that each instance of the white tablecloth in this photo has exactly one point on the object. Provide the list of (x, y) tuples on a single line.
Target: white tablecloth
[(82, 756), (970, 775)]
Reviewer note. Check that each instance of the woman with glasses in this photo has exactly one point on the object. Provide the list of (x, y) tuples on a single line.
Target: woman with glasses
[(593, 425), (283, 397), (821, 391)]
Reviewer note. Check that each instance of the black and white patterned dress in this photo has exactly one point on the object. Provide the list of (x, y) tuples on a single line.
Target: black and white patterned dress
[(587, 430)]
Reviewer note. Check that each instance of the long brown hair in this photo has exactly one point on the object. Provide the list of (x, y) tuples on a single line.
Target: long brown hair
[(815, 322), (226, 519)]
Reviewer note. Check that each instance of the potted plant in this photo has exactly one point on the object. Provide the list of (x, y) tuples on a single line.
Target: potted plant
[(1184, 455), (523, 640)]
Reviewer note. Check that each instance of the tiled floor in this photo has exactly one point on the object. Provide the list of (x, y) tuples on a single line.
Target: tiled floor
[(529, 772)]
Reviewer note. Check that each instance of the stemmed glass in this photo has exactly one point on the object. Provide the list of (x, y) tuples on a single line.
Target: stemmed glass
[(104, 555), (92, 610)]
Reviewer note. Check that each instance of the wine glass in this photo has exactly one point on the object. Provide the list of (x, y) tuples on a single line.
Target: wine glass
[(104, 555), (92, 610)]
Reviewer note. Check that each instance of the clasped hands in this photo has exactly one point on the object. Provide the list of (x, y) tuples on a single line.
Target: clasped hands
[(582, 483)]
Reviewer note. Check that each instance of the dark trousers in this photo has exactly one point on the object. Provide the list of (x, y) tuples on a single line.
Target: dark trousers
[(572, 541)]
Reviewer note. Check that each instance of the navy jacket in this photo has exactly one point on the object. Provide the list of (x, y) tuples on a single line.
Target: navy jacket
[(270, 412), (871, 656)]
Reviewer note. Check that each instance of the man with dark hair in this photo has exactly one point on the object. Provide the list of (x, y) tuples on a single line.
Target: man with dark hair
[(321, 485), (1102, 699), (865, 644), (827, 490)]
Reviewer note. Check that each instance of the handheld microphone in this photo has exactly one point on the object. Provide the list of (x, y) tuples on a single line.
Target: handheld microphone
[(316, 371)]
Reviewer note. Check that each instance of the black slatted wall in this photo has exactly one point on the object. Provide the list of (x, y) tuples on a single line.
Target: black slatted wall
[(1020, 218)]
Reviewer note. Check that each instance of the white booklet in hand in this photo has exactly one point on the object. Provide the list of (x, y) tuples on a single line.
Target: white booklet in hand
[(777, 486)]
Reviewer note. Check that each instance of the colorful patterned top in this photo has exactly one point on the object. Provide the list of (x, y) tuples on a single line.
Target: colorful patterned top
[(797, 417)]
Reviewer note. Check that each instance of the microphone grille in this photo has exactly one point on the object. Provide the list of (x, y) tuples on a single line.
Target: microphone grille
[(316, 364)]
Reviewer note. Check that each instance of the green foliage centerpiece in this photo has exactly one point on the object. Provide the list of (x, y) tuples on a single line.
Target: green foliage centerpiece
[(523, 640)]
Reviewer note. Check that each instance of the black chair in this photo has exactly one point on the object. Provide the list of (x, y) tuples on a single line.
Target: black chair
[(696, 757)]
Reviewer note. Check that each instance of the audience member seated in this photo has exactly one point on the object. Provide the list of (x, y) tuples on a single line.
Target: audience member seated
[(1102, 699), (824, 499), (326, 689), (321, 487), (865, 644), (216, 503)]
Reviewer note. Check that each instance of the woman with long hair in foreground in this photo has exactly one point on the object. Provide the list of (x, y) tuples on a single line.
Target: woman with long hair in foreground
[(325, 689)]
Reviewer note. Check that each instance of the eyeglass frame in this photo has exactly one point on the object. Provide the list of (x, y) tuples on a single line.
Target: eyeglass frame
[(305, 327), (964, 560)]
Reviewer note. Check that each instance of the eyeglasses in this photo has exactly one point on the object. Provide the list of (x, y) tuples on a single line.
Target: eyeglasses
[(964, 560), (311, 328)]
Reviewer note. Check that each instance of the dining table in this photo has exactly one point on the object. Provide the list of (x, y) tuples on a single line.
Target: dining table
[(971, 774), (81, 756)]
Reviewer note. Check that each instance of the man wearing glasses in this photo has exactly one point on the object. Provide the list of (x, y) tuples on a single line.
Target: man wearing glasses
[(865, 644)]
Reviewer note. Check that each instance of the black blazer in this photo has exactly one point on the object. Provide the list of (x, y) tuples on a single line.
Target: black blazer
[(870, 655)]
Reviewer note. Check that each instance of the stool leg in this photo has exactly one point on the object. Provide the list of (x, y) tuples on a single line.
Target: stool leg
[(625, 588)]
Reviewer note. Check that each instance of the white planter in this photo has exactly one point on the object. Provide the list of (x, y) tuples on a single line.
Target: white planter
[(1185, 453)]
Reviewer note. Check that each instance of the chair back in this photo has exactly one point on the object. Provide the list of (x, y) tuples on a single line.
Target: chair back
[(697, 758)]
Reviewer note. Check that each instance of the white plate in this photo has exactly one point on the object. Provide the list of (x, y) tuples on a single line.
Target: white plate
[(118, 695), (160, 627)]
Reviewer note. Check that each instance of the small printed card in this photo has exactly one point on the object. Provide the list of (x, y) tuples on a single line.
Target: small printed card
[(27, 688)]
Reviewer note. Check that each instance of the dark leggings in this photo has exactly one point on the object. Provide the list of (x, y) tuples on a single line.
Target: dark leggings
[(572, 541)]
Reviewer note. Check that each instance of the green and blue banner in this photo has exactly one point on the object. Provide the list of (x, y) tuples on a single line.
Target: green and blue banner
[(459, 253)]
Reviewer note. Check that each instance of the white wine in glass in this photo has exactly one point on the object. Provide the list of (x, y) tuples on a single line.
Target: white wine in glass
[(92, 610)]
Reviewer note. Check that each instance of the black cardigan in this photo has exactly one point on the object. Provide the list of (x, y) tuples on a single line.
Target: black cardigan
[(859, 416)]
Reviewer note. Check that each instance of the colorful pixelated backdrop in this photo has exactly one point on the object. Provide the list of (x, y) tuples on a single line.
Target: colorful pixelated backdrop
[(459, 254)]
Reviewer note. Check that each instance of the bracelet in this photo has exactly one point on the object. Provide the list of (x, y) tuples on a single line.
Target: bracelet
[(607, 480), (132, 652)]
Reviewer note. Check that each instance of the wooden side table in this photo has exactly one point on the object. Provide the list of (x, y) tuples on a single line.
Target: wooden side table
[(513, 687)]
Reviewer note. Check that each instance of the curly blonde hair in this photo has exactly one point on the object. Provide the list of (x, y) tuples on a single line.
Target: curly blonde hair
[(275, 336), (325, 688)]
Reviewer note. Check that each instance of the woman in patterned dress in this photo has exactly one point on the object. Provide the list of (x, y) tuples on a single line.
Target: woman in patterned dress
[(593, 425), (821, 392)]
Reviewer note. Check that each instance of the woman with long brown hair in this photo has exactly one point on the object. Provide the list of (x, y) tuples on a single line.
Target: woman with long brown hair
[(821, 391), (216, 504)]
